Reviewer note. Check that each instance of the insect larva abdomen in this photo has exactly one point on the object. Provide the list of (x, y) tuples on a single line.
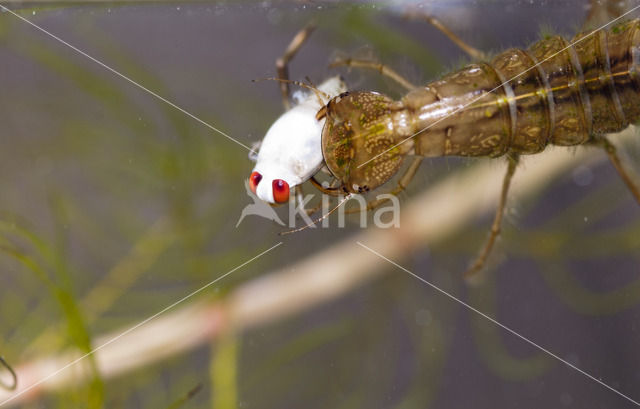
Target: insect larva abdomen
[(556, 92)]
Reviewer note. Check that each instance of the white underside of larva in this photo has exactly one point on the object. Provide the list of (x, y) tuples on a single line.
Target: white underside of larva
[(292, 148)]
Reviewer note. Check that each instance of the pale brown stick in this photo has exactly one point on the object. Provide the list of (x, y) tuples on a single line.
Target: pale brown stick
[(324, 276), (282, 63), (497, 220)]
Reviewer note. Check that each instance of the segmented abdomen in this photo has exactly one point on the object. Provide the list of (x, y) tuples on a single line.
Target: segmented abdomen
[(563, 95)]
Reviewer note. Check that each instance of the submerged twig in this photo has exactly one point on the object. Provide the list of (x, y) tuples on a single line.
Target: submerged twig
[(431, 217)]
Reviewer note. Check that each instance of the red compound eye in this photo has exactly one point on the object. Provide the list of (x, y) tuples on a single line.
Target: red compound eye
[(280, 191), (254, 179)]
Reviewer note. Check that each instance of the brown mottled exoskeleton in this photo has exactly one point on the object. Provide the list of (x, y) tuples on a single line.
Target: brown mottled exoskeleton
[(557, 92)]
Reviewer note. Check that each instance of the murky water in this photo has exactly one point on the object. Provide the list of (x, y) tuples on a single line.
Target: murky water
[(115, 204)]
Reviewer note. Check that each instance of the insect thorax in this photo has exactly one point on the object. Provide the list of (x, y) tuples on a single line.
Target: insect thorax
[(359, 138)]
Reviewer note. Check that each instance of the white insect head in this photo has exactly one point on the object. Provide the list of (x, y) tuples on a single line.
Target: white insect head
[(291, 151)]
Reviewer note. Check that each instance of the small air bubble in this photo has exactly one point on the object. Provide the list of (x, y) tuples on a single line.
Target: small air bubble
[(178, 8), (586, 219), (33, 13)]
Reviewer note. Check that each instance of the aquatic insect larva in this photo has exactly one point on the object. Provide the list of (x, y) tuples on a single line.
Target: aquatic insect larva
[(554, 93)]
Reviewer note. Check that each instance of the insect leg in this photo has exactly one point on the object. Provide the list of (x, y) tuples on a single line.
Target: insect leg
[(388, 72), (402, 185), (471, 51), (381, 68), (601, 12), (497, 220), (612, 153), (282, 63), (331, 190)]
